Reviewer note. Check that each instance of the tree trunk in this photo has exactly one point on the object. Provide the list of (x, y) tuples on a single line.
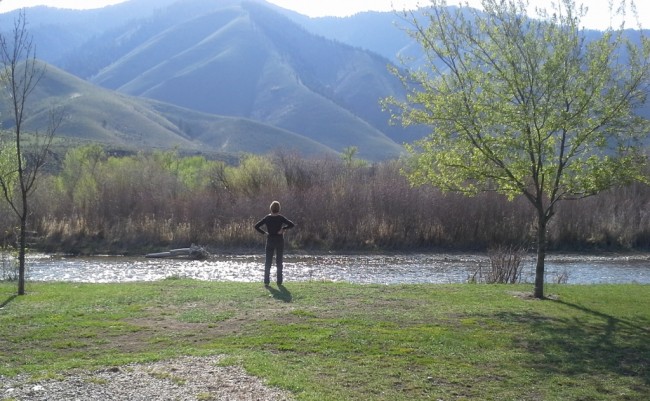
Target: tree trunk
[(21, 255), (541, 255)]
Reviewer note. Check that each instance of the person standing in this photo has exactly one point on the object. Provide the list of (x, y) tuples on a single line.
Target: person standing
[(276, 224)]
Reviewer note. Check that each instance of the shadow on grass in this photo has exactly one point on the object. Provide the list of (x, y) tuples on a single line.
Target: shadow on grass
[(8, 301), (593, 344), (281, 294)]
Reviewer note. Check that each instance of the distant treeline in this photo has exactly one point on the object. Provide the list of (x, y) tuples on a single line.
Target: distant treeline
[(96, 203)]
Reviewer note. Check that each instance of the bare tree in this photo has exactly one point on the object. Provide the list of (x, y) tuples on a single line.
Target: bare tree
[(21, 161)]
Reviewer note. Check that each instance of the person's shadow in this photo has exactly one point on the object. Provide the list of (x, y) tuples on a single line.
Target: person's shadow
[(282, 293)]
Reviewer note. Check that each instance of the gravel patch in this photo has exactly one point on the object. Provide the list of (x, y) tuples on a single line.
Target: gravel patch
[(182, 379)]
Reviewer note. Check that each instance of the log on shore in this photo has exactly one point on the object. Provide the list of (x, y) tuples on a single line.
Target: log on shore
[(193, 252)]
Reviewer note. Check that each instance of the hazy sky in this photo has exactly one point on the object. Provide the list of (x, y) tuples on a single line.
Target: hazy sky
[(597, 17)]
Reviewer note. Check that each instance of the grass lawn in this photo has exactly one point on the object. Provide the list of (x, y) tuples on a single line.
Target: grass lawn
[(334, 341)]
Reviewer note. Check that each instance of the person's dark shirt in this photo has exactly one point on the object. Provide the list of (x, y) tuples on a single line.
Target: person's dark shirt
[(274, 223)]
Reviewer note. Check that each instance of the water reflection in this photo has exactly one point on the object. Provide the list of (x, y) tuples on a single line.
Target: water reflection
[(363, 269)]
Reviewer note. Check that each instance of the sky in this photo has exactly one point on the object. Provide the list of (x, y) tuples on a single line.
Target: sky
[(597, 16)]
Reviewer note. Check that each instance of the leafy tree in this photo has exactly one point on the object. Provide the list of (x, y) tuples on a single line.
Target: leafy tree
[(525, 106), (79, 176), (192, 171), (348, 156), (254, 175), (21, 162)]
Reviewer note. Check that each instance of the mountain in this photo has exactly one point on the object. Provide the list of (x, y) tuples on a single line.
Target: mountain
[(133, 123), (57, 32), (384, 33), (242, 59), (201, 68), (246, 60)]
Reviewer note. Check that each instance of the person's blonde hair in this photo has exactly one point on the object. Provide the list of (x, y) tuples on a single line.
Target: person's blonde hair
[(275, 207)]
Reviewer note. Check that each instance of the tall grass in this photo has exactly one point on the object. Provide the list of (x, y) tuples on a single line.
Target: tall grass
[(99, 203)]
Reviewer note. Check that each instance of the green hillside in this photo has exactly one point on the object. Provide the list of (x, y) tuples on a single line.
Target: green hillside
[(246, 60), (107, 117)]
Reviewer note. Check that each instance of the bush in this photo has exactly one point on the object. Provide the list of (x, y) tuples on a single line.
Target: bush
[(505, 266), (100, 203)]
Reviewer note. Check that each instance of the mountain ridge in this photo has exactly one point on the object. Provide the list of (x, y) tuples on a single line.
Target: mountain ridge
[(314, 83), (132, 123), (244, 59)]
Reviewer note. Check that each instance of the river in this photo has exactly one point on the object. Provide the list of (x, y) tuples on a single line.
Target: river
[(361, 269)]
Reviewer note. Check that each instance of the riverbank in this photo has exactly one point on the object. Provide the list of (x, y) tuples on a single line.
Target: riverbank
[(335, 341)]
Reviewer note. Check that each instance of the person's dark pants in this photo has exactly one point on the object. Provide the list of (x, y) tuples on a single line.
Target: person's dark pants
[(274, 244)]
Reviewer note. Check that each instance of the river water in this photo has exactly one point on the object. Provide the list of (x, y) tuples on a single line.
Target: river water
[(361, 269)]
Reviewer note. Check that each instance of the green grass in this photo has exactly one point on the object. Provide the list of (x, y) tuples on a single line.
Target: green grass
[(329, 341)]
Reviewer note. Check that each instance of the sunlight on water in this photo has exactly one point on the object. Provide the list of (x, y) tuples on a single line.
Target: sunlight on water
[(362, 269)]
